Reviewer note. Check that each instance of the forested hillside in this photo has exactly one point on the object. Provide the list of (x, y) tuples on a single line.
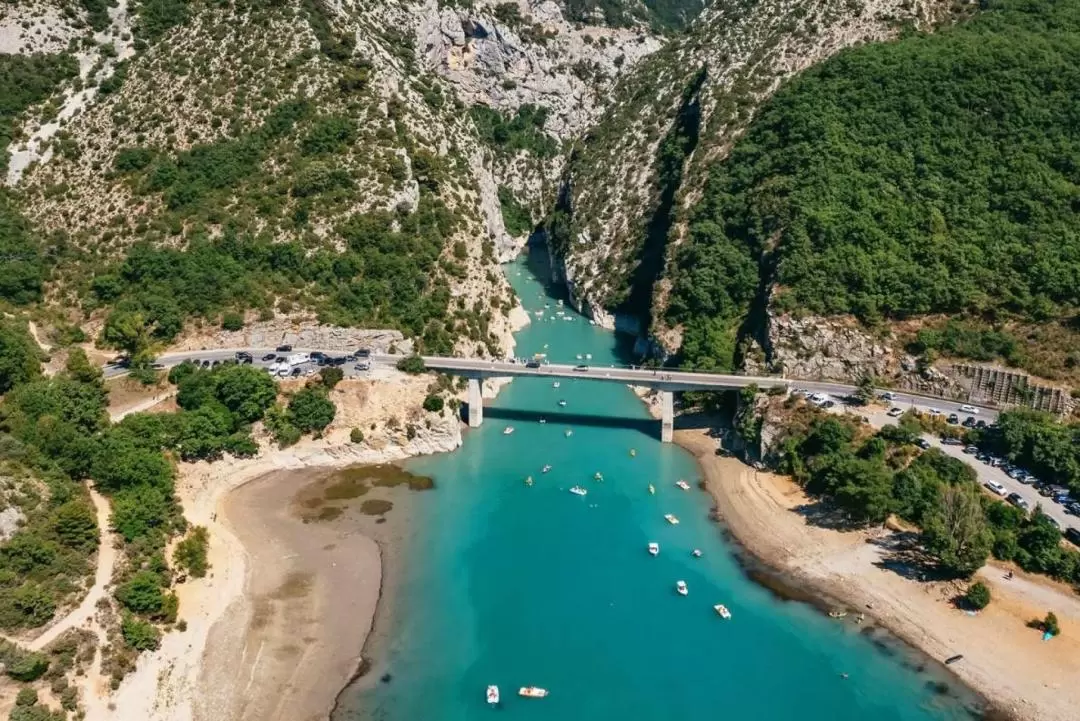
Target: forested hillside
[(937, 174)]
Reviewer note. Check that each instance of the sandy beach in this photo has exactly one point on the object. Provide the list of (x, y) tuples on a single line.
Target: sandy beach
[(1004, 661)]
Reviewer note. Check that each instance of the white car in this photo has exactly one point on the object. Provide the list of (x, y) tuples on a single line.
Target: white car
[(935, 411), (969, 409), (896, 412), (819, 398), (995, 487)]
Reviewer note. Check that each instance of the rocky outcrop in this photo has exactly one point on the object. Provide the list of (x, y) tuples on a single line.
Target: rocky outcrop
[(270, 334), (537, 58)]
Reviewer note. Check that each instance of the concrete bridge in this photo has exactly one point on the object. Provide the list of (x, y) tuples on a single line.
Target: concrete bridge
[(663, 380)]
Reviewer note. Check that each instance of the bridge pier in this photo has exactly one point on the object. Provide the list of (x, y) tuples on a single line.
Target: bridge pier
[(667, 417), (476, 404)]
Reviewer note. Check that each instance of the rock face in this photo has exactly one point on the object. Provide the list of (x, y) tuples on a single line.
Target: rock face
[(537, 58), (840, 349), (270, 334)]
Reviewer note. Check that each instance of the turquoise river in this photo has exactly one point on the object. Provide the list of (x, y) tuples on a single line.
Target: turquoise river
[(513, 585)]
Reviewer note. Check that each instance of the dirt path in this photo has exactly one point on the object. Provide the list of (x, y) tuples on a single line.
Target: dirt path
[(83, 614)]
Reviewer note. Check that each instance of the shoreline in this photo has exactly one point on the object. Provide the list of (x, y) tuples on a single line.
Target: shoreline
[(1006, 665)]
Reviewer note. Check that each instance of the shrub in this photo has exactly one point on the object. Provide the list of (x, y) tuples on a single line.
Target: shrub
[(232, 321), (411, 364), (190, 553), (142, 593), (310, 410), (26, 697), (138, 634), (356, 435), (977, 596), (331, 376), (1050, 624), (433, 403)]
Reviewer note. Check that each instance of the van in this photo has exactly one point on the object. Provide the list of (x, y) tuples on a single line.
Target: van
[(995, 487)]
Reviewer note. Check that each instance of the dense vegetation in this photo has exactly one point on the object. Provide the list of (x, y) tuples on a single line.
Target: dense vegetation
[(661, 14), (935, 174), (516, 217), (868, 477), (523, 131)]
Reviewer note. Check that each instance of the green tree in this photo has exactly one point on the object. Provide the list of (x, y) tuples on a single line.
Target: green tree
[(191, 553), (75, 524), (865, 390), (79, 367), (27, 696), (232, 321), (142, 594), (129, 332), (141, 511), (977, 596), (310, 410), (246, 391), (20, 360), (331, 376), (121, 463), (433, 403), (35, 602), (956, 533), (412, 364), (138, 634)]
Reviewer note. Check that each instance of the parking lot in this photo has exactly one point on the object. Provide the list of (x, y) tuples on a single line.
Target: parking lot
[(283, 363)]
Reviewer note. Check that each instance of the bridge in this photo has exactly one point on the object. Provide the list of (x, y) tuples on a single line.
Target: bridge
[(665, 381)]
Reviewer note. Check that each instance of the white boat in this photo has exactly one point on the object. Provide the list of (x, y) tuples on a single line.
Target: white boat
[(681, 589), (633, 452), (722, 611), (670, 518), (598, 476), (578, 491), (654, 549), (528, 481), (569, 433), (532, 692), (556, 384), (682, 484), (543, 421), (545, 469), (578, 356), (562, 404), (652, 490), (588, 356), (696, 553), (493, 695), (508, 430)]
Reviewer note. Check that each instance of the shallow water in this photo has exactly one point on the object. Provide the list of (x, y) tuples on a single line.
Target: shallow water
[(517, 585)]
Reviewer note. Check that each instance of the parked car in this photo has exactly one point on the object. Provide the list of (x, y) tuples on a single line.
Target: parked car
[(243, 356), (1073, 508), (969, 409), (1053, 521), (362, 353), (296, 371), (950, 441), (887, 396), (317, 357), (1027, 479), (995, 487), (269, 357), (532, 364), (935, 411), (980, 424), (1072, 536), (1016, 473), (971, 450), (923, 444), (969, 422), (953, 419), (896, 412), (828, 404), (284, 349), (1017, 500)]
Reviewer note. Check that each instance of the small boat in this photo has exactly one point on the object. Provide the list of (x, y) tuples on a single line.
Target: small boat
[(598, 476), (545, 469), (562, 404), (682, 484), (532, 692), (837, 614), (722, 612), (493, 695), (681, 589), (528, 480), (652, 490), (543, 421), (556, 384), (953, 659), (696, 553), (633, 452), (578, 491), (508, 430), (578, 356), (670, 518), (569, 433), (588, 356), (654, 549)]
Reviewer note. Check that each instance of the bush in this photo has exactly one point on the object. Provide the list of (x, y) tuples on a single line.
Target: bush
[(977, 596), (433, 403), (356, 435), (142, 594), (331, 376), (1050, 624), (26, 697), (22, 665), (310, 410), (190, 553), (138, 634), (232, 321), (411, 364)]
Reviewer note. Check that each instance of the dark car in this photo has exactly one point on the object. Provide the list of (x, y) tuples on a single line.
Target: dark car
[(969, 422), (1017, 500), (206, 364), (338, 361), (284, 348), (923, 444), (269, 357), (1072, 536), (1073, 508), (362, 353), (317, 356), (828, 404), (953, 419), (581, 368), (243, 355), (296, 371), (532, 364)]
